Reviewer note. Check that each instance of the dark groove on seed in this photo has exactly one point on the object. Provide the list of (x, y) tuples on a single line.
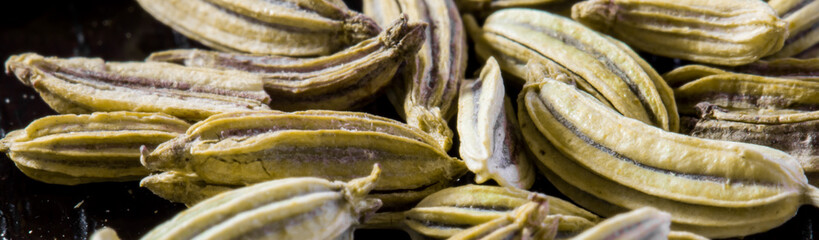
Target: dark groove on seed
[(136, 83), (700, 177), (555, 62), (799, 36), (795, 8), (611, 65), (267, 24)]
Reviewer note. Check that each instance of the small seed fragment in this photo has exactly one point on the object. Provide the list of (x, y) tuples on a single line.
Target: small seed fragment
[(105, 233)]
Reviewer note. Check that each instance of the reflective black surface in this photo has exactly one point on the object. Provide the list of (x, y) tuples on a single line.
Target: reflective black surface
[(121, 31)]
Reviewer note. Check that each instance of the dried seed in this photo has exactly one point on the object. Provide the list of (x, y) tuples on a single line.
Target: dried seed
[(281, 27), (250, 147), (490, 140), (736, 221), (803, 24), (450, 211), (426, 93), (345, 80), (645, 224), (613, 73), (733, 32), (100, 147), (86, 85), (291, 208), (708, 196), (791, 68), (743, 91), (184, 188), (793, 132), (529, 221)]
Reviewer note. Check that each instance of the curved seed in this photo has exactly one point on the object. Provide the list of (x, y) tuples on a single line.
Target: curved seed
[(344, 80), (715, 201), (709, 221), (766, 178), (803, 25), (292, 208), (645, 223), (529, 221), (183, 188), (450, 211), (189, 189), (603, 65), (794, 133), (99, 147), (743, 91), (428, 84), (791, 68), (732, 33), (245, 148), (86, 85), (280, 27)]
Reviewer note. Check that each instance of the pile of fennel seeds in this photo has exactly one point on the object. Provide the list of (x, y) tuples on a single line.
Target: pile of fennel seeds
[(453, 128)]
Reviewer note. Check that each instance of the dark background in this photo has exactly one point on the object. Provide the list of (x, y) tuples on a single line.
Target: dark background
[(119, 30)]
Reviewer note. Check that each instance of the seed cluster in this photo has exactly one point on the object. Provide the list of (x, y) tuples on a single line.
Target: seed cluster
[(261, 137)]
